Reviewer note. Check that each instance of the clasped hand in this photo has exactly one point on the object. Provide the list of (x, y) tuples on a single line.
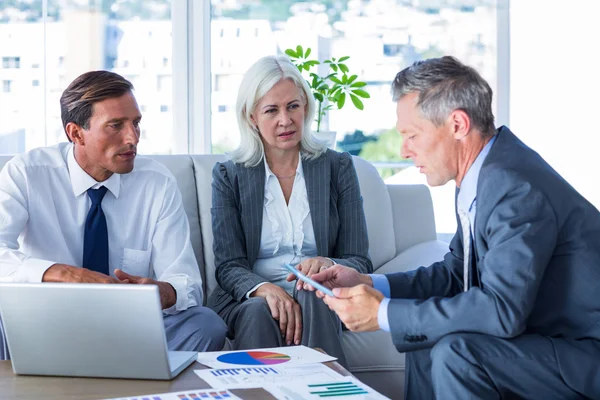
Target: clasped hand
[(69, 274)]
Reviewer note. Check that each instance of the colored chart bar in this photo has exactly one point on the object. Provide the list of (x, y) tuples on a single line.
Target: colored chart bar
[(336, 389), (244, 371), (208, 395)]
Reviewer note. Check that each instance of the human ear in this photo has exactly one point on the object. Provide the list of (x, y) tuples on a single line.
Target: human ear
[(460, 123), (75, 133)]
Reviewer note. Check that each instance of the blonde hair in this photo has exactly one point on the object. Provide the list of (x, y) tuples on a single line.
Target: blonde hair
[(257, 81)]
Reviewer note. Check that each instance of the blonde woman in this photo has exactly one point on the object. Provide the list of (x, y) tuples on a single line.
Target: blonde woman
[(282, 198)]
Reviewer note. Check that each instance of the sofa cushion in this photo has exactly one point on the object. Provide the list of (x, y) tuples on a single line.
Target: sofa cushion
[(371, 351), (374, 360), (203, 166), (378, 209), (420, 255)]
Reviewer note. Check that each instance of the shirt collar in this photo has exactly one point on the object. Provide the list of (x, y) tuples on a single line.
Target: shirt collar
[(468, 186), (299, 171), (81, 181)]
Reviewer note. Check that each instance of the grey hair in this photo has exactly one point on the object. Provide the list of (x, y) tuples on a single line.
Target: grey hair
[(257, 81), (445, 85)]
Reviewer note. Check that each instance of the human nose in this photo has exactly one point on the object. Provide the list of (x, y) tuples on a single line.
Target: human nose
[(404, 151), (132, 134), (284, 118)]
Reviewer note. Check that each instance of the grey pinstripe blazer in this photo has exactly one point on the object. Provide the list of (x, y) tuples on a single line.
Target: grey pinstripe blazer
[(237, 214)]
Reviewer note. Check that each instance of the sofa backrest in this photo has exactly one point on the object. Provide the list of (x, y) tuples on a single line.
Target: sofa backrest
[(182, 167), (378, 211), (203, 165)]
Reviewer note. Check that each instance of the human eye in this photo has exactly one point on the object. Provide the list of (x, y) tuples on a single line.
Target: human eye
[(293, 106), (115, 125), (270, 110)]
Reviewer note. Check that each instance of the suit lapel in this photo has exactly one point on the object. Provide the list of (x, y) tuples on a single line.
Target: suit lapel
[(317, 175), (252, 192)]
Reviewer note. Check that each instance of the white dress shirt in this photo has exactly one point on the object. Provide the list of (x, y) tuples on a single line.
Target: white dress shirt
[(44, 206), (287, 230)]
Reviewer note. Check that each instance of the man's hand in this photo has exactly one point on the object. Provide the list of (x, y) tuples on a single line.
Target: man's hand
[(340, 276), (284, 309), (168, 296), (357, 307), (309, 267), (70, 274)]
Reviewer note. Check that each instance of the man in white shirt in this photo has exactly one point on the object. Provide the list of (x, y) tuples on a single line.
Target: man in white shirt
[(83, 212)]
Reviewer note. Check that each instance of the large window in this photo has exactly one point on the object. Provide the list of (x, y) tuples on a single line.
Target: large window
[(44, 45), (186, 59), (380, 37)]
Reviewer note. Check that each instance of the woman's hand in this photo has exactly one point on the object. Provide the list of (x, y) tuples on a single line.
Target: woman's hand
[(284, 309), (309, 267)]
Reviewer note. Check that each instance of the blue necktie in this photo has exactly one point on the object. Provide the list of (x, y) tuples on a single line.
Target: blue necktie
[(95, 239)]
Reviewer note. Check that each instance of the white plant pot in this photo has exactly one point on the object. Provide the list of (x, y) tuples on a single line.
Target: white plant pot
[(326, 137)]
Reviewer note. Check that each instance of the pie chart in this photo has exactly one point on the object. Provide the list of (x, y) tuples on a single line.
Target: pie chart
[(254, 358)]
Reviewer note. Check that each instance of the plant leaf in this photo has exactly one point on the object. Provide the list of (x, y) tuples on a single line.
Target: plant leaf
[(343, 58), (336, 80), (334, 67), (358, 84), (351, 79), (344, 79), (291, 53), (299, 51), (307, 52), (319, 97), (361, 93), (344, 68), (357, 103), (341, 100)]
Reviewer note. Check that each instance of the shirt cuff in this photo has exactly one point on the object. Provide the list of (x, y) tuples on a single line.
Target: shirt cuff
[(381, 283), (255, 288), (184, 290), (32, 270), (382, 315)]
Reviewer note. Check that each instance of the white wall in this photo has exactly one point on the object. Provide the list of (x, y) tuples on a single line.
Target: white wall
[(555, 86)]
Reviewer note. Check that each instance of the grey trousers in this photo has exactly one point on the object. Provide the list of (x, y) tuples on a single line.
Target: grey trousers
[(475, 366), (252, 326), (195, 329)]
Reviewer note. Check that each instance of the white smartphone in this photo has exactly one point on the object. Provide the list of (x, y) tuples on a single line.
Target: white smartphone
[(306, 279)]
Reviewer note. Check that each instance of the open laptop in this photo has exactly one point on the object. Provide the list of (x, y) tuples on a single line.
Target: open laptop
[(92, 330)]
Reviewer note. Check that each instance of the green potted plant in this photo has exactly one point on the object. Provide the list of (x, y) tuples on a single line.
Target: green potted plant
[(332, 90)]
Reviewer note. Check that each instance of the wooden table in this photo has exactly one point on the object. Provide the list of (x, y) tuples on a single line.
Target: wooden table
[(13, 387)]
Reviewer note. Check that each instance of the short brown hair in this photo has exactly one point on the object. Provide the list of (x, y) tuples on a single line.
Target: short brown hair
[(444, 85), (77, 101)]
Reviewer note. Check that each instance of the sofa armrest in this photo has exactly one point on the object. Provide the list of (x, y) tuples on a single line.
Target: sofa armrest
[(413, 218)]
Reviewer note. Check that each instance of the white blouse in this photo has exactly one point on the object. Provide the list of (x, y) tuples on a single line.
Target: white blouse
[(287, 231)]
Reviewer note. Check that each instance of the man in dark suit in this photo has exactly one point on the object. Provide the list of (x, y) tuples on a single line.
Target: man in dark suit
[(513, 310)]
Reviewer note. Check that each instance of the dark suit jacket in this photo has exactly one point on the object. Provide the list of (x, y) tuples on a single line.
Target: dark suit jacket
[(537, 253), (237, 215)]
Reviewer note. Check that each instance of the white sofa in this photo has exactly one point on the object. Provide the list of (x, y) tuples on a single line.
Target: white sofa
[(402, 236)]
